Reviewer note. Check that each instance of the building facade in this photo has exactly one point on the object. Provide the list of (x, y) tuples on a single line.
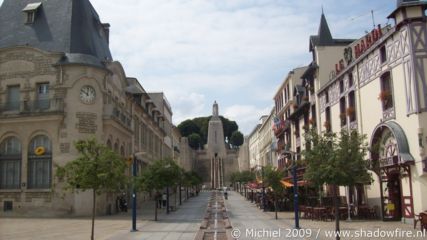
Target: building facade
[(57, 87), (377, 86)]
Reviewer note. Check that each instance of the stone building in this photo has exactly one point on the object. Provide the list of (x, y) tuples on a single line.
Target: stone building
[(59, 84), (216, 162)]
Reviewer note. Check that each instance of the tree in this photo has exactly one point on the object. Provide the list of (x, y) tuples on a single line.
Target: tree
[(157, 176), (337, 161), (236, 138), (195, 141), (188, 127), (200, 125), (97, 168), (272, 178)]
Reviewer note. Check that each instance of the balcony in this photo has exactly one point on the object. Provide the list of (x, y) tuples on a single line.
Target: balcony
[(282, 146), (112, 111), (25, 108), (300, 107), (282, 126)]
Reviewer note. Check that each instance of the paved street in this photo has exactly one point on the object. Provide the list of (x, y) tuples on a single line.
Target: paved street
[(245, 215), (181, 224)]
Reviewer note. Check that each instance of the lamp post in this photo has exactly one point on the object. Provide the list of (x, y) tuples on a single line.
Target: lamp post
[(295, 181), (133, 196), (263, 190)]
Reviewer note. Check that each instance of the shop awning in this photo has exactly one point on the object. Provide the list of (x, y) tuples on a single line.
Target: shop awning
[(253, 185), (289, 184)]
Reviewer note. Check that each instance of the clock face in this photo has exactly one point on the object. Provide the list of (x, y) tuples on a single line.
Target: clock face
[(87, 94)]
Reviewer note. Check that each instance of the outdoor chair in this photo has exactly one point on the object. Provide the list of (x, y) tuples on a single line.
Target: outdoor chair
[(423, 220), (417, 219)]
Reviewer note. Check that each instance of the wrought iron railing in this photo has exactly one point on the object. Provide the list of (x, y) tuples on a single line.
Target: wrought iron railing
[(29, 107)]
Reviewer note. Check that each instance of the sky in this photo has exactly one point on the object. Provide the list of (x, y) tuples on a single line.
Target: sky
[(236, 52)]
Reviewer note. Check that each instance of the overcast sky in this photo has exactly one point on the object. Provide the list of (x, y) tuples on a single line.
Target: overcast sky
[(234, 51)]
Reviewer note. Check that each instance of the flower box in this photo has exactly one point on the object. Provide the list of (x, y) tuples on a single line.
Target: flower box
[(350, 111)]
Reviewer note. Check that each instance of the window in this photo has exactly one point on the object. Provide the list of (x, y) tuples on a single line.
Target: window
[(10, 163), (13, 98), (341, 86), (350, 80), (386, 94), (109, 146), (31, 10), (39, 163), (42, 96), (313, 115), (351, 110), (383, 54), (343, 115), (328, 124), (327, 96), (297, 128), (122, 151)]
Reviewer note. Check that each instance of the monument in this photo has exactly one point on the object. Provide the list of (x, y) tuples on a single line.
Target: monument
[(217, 161)]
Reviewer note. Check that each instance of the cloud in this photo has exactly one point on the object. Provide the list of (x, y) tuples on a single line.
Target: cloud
[(187, 105), (247, 116), (234, 51)]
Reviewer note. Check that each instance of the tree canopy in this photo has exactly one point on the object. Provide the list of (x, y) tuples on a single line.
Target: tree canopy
[(200, 127), (97, 168), (336, 160)]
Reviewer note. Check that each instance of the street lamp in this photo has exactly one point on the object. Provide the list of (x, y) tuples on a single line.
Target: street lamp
[(295, 180), (263, 189), (133, 195)]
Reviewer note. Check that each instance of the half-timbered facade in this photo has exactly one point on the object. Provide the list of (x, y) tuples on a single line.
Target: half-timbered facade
[(379, 88)]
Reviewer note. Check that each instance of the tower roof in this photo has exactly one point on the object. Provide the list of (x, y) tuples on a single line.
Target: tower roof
[(324, 36), (69, 26)]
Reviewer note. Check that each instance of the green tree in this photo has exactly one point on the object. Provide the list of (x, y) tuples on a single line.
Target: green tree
[(337, 161), (195, 141), (234, 178), (157, 176), (97, 168), (188, 127), (200, 125), (272, 178), (236, 138)]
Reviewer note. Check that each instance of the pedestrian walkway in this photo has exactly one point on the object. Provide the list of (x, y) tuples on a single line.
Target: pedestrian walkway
[(244, 215), (247, 218), (182, 224)]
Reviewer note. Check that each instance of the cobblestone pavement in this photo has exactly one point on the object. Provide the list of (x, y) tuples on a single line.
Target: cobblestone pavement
[(250, 221), (182, 224)]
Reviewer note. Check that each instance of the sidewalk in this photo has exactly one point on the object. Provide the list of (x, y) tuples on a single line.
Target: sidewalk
[(246, 215), (181, 224)]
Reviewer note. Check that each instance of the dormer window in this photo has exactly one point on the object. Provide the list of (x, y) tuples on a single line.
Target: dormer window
[(30, 12)]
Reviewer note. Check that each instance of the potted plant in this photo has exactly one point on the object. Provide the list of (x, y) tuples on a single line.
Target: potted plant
[(384, 95), (350, 111), (295, 105), (327, 125), (306, 128), (312, 121)]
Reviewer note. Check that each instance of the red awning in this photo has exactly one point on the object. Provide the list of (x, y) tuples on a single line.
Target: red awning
[(253, 185)]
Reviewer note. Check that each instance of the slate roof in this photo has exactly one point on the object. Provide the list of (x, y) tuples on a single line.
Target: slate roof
[(69, 26), (324, 36)]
